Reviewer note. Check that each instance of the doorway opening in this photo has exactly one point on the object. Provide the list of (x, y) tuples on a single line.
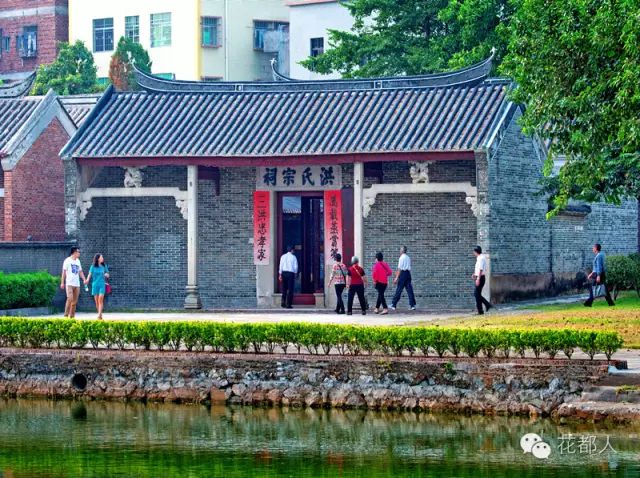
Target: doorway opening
[(301, 224)]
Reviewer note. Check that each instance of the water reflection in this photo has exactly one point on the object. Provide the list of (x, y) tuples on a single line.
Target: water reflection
[(57, 438)]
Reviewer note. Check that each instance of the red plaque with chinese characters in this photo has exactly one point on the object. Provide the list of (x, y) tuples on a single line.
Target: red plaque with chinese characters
[(332, 224), (261, 227)]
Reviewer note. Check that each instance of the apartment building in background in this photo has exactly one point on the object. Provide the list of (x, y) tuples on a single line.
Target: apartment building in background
[(29, 33), (310, 22), (190, 39)]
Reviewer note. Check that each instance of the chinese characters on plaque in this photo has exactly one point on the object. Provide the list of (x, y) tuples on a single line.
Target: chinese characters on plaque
[(261, 227), (332, 223), (300, 177)]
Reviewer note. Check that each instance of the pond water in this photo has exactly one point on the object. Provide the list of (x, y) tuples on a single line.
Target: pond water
[(75, 439)]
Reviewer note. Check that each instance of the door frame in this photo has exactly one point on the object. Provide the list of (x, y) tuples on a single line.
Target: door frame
[(298, 299)]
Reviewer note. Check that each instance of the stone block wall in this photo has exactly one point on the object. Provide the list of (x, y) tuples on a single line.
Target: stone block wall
[(507, 386)]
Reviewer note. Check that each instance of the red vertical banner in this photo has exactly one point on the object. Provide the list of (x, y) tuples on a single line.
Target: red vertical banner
[(332, 224), (261, 227)]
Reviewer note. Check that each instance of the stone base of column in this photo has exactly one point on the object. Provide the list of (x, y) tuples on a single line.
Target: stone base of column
[(192, 299)]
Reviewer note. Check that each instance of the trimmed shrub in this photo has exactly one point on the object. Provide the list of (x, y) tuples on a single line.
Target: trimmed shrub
[(32, 289), (622, 274), (313, 338)]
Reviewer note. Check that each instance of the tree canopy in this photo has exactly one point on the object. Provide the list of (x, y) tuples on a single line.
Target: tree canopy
[(392, 37), (576, 64), (73, 72), (121, 72)]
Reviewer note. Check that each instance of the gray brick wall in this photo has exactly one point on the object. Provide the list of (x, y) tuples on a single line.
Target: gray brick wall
[(439, 231), (523, 242), (144, 241), (226, 274)]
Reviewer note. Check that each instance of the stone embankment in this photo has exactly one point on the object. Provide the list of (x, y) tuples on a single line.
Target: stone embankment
[(534, 387)]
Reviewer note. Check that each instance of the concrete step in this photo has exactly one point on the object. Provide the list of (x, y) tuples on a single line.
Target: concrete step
[(612, 394)]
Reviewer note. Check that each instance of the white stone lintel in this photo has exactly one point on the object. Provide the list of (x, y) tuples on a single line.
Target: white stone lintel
[(369, 194), (85, 197)]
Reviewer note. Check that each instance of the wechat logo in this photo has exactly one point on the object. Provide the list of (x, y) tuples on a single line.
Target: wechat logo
[(532, 443)]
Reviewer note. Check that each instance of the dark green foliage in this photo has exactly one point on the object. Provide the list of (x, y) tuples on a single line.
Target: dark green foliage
[(410, 37), (72, 73), (32, 289), (316, 339), (121, 69), (623, 273), (576, 65)]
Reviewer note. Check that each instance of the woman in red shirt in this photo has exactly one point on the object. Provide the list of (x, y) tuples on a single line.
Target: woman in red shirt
[(356, 283), (380, 275)]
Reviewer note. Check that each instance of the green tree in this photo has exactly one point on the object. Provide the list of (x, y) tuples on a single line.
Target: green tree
[(127, 55), (73, 72), (392, 37), (576, 64)]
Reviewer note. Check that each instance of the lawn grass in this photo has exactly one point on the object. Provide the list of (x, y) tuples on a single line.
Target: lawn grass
[(623, 318)]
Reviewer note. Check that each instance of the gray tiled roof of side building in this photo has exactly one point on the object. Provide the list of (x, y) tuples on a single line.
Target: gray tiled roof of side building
[(13, 115)]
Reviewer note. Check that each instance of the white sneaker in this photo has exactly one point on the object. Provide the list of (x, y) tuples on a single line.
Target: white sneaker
[(392, 308), (413, 308)]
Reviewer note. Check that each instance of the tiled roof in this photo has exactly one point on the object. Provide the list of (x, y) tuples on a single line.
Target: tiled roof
[(79, 106), (293, 119), (14, 113), (17, 88)]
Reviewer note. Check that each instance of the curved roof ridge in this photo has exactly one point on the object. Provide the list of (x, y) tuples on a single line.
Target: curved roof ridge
[(17, 90), (468, 76)]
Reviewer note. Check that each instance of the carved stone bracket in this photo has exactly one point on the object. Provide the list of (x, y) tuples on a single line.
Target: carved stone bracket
[(369, 194), (85, 198), (419, 171), (133, 177)]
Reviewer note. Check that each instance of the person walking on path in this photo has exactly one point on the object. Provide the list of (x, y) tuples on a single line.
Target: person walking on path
[(99, 272), (356, 283), (339, 273), (70, 281), (287, 276), (403, 280), (598, 277), (479, 277), (380, 274)]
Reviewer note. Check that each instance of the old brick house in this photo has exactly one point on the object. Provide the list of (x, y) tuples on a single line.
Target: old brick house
[(32, 132), (192, 190), (29, 33)]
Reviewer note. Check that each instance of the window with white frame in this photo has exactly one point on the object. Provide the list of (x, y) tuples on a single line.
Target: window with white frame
[(103, 34), (316, 47), (210, 27), (260, 29), (160, 29), (132, 28)]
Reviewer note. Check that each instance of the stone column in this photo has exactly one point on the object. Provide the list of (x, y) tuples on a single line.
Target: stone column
[(482, 214), (192, 299), (358, 237)]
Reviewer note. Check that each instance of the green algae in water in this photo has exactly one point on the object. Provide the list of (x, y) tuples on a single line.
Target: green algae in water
[(75, 439)]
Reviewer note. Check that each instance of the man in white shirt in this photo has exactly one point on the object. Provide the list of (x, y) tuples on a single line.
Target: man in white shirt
[(70, 281), (479, 279), (403, 280), (287, 276)]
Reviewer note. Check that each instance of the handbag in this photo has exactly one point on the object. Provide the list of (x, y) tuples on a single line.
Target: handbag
[(107, 288), (599, 291)]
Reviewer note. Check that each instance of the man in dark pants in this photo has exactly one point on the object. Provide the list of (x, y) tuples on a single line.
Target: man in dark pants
[(403, 280), (287, 276), (598, 277), (479, 280)]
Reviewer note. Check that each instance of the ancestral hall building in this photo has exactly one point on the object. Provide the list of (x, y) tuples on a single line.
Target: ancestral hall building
[(192, 190)]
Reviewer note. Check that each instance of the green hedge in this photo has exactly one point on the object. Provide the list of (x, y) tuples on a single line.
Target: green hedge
[(299, 337), (32, 289)]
